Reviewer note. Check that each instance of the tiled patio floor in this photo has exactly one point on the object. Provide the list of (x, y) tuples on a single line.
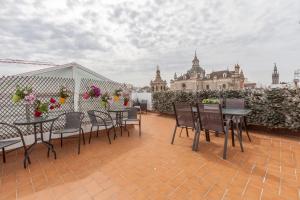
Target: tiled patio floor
[(151, 168)]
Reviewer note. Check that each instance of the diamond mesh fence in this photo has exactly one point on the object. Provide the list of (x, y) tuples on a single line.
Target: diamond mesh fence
[(44, 88), (95, 103)]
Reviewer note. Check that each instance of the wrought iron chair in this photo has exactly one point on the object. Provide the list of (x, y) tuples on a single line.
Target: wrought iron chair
[(9, 135), (238, 104), (101, 119), (211, 119), (134, 117), (184, 118), (72, 124)]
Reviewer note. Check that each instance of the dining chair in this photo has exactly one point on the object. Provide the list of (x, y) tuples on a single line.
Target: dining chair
[(134, 117), (237, 103), (184, 118), (72, 124), (101, 119), (211, 119), (10, 135)]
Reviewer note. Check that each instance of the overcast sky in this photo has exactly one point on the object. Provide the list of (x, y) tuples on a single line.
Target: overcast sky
[(125, 40)]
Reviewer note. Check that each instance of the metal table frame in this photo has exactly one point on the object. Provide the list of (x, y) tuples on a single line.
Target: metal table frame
[(35, 121), (119, 117)]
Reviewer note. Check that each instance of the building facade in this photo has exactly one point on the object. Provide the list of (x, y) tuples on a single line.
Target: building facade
[(275, 75), (158, 84), (196, 79)]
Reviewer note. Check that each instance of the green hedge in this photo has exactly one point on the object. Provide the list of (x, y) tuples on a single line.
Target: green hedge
[(273, 108)]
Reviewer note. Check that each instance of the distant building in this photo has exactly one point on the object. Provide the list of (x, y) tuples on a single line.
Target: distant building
[(249, 85), (195, 79), (275, 75), (158, 84)]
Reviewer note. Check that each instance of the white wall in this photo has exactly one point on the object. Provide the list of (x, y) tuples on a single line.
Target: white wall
[(143, 96)]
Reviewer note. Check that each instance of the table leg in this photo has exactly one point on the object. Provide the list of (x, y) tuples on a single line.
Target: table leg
[(50, 146)]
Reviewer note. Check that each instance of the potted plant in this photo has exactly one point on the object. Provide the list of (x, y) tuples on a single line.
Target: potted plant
[(211, 101), (24, 94), (126, 99), (105, 98), (63, 94), (117, 94), (94, 92), (41, 109)]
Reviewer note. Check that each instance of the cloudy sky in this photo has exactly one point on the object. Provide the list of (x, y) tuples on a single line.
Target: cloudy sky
[(125, 40)]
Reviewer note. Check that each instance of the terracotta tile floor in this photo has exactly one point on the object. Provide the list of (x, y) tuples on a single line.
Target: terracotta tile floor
[(151, 168)]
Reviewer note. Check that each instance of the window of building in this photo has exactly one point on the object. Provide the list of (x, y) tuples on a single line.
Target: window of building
[(183, 85), (224, 75), (207, 87), (224, 86)]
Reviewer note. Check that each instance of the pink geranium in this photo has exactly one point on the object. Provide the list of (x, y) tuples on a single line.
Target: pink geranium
[(30, 98), (86, 95)]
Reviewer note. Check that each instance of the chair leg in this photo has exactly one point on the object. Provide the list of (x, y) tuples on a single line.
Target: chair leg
[(107, 132), (97, 131), (115, 133), (246, 128), (83, 136), (61, 140), (232, 134), (239, 127), (125, 124), (3, 155), (207, 137), (79, 138), (140, 126), (225, 144), (180, 132), (90, 135), (173, 138), (187, 132)]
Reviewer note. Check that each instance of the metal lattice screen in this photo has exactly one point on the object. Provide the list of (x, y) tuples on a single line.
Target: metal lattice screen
[(43, 87), (94, 103)]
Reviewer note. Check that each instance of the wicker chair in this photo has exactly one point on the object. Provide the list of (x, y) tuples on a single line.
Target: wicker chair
[(10, 135), (211, 119), (134, 117), (101, 119), (238, 104), (73, 121), (184, 118)]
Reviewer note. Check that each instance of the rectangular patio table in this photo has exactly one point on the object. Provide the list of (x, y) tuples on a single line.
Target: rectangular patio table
[(234, 115)]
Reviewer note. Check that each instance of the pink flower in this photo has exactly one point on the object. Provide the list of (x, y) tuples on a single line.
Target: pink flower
[(51, 107), (86, 95), (30, 99)]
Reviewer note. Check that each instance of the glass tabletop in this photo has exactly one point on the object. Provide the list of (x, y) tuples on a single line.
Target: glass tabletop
[(35, 120)]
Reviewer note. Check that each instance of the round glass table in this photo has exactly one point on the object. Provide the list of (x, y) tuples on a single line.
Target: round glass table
[(35, 122), (119, 117)]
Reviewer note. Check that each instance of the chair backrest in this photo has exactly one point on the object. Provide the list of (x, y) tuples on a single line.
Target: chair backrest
[(235, 103), (133, 112), (8, 131), (73, 120), (92, 116), (184, 114), (97, 117), (211, 117)]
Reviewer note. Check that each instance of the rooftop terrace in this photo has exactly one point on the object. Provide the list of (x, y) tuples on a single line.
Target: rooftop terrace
[(149, 167)]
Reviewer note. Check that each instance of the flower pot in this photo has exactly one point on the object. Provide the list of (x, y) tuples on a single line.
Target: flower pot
[(116, 98), (62, 100)]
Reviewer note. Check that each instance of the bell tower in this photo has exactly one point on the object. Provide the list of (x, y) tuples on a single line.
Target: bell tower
[(275, 75)]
